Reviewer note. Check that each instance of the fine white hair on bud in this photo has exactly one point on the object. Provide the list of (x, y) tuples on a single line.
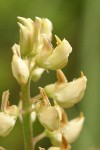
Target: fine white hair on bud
[(19, 67), (66, 93)]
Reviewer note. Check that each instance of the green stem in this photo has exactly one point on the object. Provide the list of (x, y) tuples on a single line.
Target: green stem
[(27, 125)]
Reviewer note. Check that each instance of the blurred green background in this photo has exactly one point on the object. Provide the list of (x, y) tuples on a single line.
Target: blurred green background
[(79, 22)]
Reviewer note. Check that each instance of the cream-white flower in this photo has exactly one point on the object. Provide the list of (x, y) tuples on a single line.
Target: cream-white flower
[(7, 122), (73, 128), (48, 115), (66, 93), (19, 66), (8, 115), (53, 59), (71, 131)]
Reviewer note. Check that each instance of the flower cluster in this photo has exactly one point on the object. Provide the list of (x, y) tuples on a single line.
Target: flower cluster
[(35, 54)]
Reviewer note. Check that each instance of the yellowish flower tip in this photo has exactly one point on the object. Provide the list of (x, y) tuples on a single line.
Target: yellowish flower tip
[(58, 41), (81, 115), (61, 77), (38, 18), (19, 18), (24, 20), (44, 97), (55, 102), (82, 74)]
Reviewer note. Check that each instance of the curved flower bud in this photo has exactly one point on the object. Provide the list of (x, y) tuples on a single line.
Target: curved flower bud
[(66, 94), (26, 35), (47, 28), (44, 26), (37, 73), (48, 115), (8, 115), (71, 131), (53, 59), (19, 67)]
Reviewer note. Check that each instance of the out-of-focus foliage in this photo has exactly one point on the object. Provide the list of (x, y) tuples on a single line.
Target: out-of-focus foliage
[(79, 22)]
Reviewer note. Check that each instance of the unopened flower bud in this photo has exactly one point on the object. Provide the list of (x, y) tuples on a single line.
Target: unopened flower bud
[(54, 59), (37, 73), (19, 67), (46, 28), (66, 93), (47, 114), (31, 34), (26, 35)]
